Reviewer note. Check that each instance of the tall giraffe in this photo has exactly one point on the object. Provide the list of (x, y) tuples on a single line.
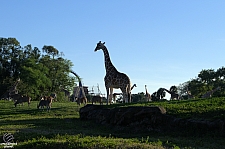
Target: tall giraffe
[(114, 78), (210, 93), (147, 95)]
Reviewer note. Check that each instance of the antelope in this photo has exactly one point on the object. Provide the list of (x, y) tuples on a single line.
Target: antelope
[(45, 101), (97, 99), (81, 100), (22, 99)]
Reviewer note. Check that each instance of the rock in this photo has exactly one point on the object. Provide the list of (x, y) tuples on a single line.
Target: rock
[(149, 118), (122, 116)]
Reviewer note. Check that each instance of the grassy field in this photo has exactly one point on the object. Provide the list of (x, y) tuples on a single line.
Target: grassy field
[(62, 128)]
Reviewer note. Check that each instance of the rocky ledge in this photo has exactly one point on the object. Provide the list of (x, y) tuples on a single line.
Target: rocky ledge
[(148, 118)]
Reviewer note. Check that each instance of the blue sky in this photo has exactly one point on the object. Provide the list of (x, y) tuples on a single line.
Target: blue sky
[(158, 43)]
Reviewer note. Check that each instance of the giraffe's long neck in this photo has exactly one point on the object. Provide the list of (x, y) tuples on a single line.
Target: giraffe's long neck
[(168, 91), (108, 64), (146, 90), (15, 84), (132, 86), (215, 90)]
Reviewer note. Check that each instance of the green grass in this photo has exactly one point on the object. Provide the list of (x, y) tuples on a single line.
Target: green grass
[(208, 109), (62, 128)]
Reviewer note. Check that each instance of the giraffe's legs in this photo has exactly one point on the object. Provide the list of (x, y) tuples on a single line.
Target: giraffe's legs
[(125, 99), (128, 93), (111, 95), (129, 97), (107, 94)]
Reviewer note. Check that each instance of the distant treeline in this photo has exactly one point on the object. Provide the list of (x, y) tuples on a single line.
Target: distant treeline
[(207, 80)]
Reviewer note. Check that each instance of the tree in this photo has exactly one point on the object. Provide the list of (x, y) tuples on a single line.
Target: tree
[(207, 76), (50, 50), (58, 73), (183, 88), (10, 53), (34, 79), (140, 97)]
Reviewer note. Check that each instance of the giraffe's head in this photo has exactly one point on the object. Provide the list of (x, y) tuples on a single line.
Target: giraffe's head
[(100, 46)]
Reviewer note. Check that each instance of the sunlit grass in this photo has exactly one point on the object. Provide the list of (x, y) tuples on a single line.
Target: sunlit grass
[(211, 108)]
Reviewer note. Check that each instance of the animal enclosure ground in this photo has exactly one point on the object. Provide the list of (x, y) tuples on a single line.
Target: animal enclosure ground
[(62, 128)]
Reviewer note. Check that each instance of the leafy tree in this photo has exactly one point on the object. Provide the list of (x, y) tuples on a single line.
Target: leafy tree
[(58, 70), (207, 76), (34, 80), (220, 74), (50, 50), (29, 52), (39, 74), (140, 97), (196, 87), (183, 88), (10, 52)]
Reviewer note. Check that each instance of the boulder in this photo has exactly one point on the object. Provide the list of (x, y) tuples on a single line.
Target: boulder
[(123, 116), (148, 118)]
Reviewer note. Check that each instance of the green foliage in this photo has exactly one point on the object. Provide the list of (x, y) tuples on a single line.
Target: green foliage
[(210, 109), (207, 80), (61, 97), (39, 74), (140, 97)]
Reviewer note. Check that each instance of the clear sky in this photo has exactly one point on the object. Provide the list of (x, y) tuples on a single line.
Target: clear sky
[(158, 43)]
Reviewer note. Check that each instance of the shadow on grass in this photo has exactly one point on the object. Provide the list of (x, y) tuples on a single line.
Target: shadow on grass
[(50, 128)]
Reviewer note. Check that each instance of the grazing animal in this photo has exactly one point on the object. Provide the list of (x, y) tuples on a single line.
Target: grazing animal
[(23, 99), (5, 96), (81, 100), (96, 99), (45, 101), (15, 97)]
